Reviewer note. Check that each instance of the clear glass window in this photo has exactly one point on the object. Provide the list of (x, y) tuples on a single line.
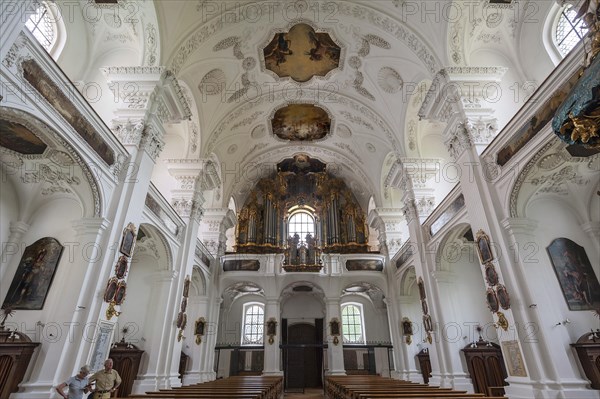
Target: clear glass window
[(353, 324), (568, 31), (43, 26), (254, 321), (301, 223)]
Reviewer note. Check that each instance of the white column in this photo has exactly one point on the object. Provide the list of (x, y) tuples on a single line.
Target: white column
[(198, 307), (396, 338), (272, 352), (335, 353), (409, 352), (151, 379), (444, 285), (12, 249)]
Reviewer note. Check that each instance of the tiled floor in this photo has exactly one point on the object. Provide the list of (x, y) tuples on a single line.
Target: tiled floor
[(308, 394)]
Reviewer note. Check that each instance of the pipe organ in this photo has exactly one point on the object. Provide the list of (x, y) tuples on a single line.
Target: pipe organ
[(301, 184)]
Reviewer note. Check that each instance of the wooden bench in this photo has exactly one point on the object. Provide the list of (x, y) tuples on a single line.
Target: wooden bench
[(238, 387), (375, 387)]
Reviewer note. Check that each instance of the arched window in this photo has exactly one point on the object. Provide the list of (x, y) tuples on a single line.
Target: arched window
[(42, 25), (568, 31), (301, 223), (253, 324), (353, 323)]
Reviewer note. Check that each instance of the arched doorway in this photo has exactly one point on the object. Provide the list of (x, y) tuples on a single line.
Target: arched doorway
[(304, 355), (302, 336)]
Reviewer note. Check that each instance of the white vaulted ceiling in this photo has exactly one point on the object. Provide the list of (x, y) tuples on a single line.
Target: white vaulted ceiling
[(387, 49)]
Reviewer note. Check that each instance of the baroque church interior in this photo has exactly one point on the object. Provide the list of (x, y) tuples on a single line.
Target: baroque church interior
[(405, 191)]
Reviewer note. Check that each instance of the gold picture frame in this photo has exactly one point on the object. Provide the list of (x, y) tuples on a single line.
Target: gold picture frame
[(271, 330), (484, 249), (199, 329), (128, 240)]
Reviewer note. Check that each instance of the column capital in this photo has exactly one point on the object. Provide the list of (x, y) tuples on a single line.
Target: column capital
[(18, 227), (591, 228), (444, 276), (90, 225), (520, 226)]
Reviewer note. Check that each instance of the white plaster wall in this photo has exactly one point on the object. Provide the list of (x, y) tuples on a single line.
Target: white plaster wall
[(302, 307), (376, 324), (50, 325), (230, 320), (9, 212), (544, 284)]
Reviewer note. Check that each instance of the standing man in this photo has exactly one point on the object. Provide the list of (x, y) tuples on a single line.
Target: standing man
[(78, 385), (107, 381)]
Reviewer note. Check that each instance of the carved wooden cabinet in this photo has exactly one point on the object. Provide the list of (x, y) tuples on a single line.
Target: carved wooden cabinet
[(425, 365), (126, 360), (588, 351), (16, 350), (486, 367)]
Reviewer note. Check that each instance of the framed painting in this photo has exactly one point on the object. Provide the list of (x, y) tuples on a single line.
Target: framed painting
[(491, 276), (183, 304), (424, 306), (407, 328), (120, 293), (111, 289), (34, 275), (575, 274), (334, 327), (484, 249), (186, 286), (421, 286), (503, 297), (514, 358), (128, 240), (492, 300), (199, 328), (121, 267), (427, 323)]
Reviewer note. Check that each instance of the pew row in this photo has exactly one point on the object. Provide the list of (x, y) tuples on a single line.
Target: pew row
[(375, 387), (238, 387)]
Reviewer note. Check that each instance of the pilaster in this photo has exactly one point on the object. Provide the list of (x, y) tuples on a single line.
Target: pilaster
[(335, 352)]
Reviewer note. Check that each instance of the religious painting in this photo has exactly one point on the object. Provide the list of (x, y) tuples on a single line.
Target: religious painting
[(424, 306), (500, 1), (301, 122), (364, 265), (503, 297), (427, 323), (491, 276), (407, 328), (233, 265), (447, 215), (128, 240), (421, 286), (334, 327), (183, 304), (20, 139), (483, 247), (34, 74), (575, 274), (530, 128), (186, 286), (34, 275), (120, 293), (301, 53), (514, 358), (492, 300), (121, 267), (111, 289), (181, 320), (200, 326)]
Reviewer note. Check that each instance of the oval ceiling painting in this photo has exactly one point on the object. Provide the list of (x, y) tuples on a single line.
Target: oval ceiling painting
[(301, 122), (301, 53)]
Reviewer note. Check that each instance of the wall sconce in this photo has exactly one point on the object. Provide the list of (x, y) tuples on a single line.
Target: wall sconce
[(199, 329), (533, 305), (271, 329), (563, 323), (334, 330), (407, 330)]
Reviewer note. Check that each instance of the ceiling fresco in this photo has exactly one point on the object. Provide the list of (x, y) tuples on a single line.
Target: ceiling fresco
[(301, 54), (18, 138), (301, 122)]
